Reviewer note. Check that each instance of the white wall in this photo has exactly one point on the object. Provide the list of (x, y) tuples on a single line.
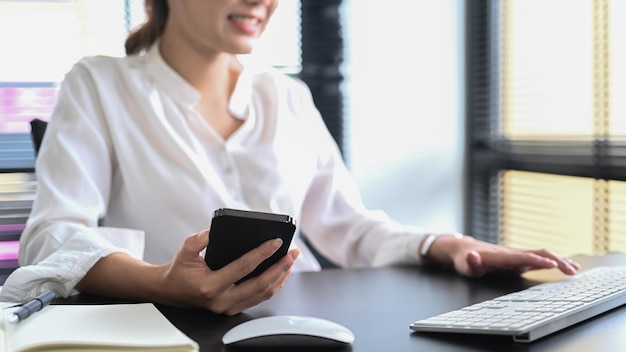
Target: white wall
[(404, 107)]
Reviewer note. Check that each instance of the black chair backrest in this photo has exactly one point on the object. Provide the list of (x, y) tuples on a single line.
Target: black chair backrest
[(37, 131)]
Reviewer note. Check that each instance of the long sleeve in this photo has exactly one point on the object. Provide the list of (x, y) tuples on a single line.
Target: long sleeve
[(62, 240), (335, 220)]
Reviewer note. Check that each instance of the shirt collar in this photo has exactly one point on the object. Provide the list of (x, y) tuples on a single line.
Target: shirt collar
[(167, 78), (178, 87)]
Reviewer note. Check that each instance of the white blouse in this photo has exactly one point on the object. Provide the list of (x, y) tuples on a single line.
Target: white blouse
[(128, 164)]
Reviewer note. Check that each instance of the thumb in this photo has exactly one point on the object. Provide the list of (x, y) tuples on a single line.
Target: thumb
[(195, 243), (475, 264)]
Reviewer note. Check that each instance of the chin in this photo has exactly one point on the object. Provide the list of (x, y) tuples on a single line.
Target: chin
[(242, 52), (246, 47)]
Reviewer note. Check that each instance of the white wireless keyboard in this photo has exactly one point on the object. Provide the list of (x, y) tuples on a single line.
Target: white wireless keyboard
[(538, 311)]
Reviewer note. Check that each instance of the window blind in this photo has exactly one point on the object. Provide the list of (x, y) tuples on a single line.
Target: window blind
[(547, 151), (322, 56)]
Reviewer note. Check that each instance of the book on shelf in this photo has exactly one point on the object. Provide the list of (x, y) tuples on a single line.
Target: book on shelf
[(111, 327)]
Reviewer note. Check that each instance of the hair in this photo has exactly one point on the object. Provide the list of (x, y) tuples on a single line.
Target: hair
[(147, 34)]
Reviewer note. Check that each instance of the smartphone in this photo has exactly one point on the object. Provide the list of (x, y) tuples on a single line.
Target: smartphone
[(235, 232)]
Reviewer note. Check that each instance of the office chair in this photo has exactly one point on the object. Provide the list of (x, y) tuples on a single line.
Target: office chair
[(37, 131), (325, 263)]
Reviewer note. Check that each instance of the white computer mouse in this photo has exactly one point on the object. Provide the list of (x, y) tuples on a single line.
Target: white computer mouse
[(288, 331)]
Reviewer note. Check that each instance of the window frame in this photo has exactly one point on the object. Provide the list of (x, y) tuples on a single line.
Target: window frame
[(487, 154)]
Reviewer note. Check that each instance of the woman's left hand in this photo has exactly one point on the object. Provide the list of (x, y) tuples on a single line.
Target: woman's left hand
[(475, 258)]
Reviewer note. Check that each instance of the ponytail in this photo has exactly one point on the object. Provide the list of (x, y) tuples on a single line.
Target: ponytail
[(147, 34)]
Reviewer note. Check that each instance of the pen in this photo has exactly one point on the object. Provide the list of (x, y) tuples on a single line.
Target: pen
[(34, 305)]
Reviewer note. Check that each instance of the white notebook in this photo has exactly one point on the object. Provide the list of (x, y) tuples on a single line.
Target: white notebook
[(115, 327)]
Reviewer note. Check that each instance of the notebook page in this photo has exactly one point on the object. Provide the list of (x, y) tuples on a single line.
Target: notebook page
[(101, 327), (3, 305)]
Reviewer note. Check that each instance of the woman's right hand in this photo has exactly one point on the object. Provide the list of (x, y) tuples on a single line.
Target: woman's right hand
[(188, 281)]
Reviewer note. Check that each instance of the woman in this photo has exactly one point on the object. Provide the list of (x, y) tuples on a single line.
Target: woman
[(140, 150)]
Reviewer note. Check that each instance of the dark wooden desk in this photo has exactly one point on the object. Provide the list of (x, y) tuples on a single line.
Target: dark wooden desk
[(379, 304)]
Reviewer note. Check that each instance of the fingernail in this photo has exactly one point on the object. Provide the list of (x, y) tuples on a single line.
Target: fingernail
[(276, 243), (294, 254)]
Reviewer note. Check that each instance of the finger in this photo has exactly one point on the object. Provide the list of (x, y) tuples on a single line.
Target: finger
[(273, 274), (574, 264), (517, 260), (193, 245), (567, 266), (245, 264), (259, 289), (261, 295), (275, 271)]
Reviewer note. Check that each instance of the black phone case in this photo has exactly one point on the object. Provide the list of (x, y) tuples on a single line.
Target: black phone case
[(234, 232)]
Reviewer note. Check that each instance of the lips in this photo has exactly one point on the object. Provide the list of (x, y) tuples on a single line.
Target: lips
[(246, 23), (245, 20)]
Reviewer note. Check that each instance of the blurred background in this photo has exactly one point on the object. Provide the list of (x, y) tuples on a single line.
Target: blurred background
[(503, 119)]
